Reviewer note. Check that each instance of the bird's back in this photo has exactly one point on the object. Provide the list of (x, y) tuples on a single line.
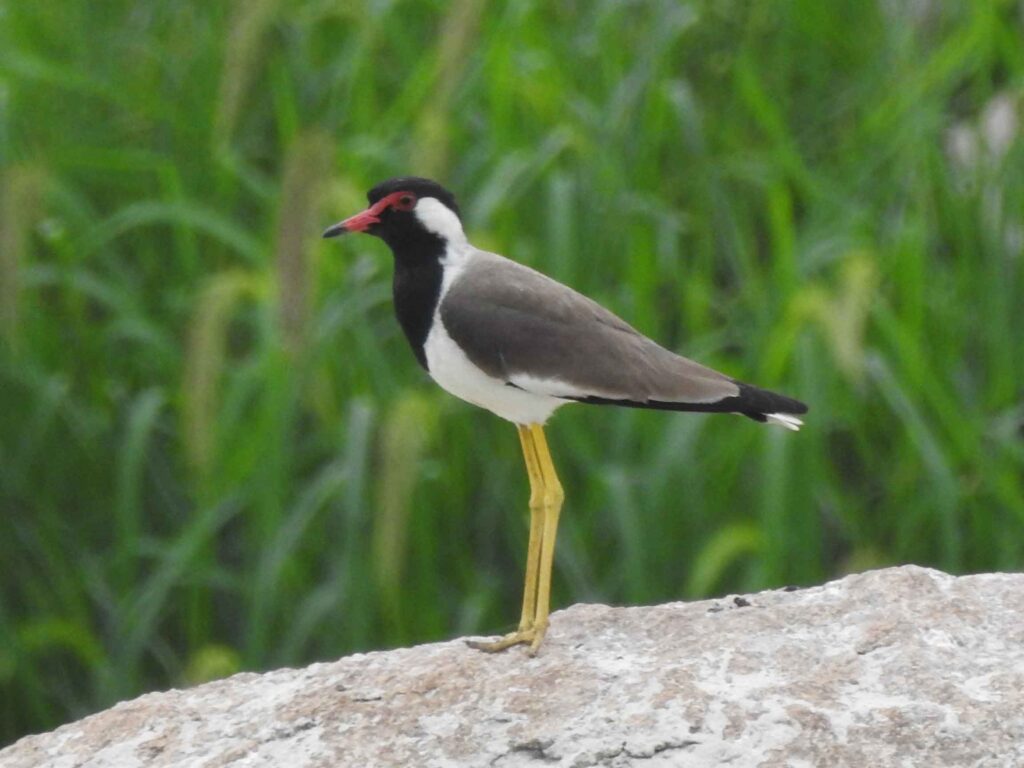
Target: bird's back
[(531, 331)]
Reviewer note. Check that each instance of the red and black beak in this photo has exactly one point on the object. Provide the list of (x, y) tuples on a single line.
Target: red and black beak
[(358, 223), (364, 220)]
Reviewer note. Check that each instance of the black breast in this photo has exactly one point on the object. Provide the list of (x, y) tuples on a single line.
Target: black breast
[(416, 289)]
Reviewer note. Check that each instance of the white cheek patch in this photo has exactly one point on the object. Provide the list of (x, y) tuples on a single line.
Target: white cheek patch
[(438, 218)]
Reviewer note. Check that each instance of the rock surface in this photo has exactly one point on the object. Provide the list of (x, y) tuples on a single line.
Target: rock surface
[(899, 667)]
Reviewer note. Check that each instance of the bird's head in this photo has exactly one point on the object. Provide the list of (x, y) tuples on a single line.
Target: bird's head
[(405, 212)]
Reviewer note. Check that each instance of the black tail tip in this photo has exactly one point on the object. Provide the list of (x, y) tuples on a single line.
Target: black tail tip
[(757, 400)]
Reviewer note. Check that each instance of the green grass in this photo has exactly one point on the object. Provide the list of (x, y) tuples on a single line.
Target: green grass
[(216, 452)]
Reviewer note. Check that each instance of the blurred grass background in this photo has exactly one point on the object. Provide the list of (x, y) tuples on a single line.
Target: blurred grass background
[(216, 451)]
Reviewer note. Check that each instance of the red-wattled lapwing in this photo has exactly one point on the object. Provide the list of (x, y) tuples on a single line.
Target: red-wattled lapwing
[(509, 339)]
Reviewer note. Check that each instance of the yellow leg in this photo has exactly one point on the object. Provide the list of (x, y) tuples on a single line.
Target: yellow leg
[(537, 589), (536, 528), (552, 503)]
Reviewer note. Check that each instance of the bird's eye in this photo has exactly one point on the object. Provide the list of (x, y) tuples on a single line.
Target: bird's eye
[(406, 202)]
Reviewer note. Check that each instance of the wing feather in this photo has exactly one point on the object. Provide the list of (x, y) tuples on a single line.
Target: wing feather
[(532, 332)]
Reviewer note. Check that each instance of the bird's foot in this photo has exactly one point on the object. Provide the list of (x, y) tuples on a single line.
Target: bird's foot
[(532, 636)]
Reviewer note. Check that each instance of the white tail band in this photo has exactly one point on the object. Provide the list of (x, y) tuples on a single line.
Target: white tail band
[(784, 420)]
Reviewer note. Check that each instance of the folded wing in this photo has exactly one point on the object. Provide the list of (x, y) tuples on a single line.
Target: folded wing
[(534, 333)]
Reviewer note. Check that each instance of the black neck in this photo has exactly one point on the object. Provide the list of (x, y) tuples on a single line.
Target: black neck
[(416, 289)]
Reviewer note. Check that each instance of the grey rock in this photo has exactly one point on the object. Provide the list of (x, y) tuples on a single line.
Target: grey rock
[(897, 667)]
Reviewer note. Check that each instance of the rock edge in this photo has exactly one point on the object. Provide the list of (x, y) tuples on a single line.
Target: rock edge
[(901, 666)]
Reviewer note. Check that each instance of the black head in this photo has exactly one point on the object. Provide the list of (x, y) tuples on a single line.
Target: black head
[(418, 219), (406, 212), (418, 186)]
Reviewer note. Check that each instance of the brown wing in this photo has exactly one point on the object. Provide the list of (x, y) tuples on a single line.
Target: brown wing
[(533, 332)]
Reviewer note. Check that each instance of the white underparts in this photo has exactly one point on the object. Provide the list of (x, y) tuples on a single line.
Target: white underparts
[(452, 370), (555, 387)]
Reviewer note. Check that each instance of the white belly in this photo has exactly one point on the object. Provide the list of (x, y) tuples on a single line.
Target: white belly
[(450, 368)]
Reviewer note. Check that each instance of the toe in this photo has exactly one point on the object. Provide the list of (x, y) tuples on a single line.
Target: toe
[(515, 638)]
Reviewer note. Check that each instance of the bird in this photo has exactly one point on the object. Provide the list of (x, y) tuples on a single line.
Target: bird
[(507, 338)]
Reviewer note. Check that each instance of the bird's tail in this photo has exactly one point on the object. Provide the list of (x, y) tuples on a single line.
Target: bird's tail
[(761, 405), (753, 402), (784, 420)]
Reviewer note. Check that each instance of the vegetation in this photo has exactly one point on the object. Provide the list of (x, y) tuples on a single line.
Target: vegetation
[(216, 452)]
